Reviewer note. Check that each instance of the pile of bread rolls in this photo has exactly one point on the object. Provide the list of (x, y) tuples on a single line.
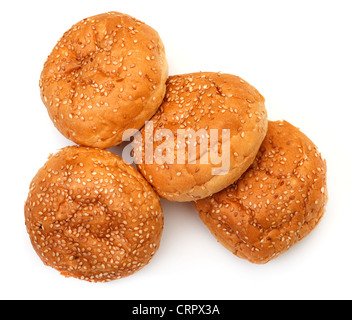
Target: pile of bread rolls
[(92, 216)]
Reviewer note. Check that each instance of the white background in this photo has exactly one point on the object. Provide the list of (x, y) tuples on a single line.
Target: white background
[(296, 53)]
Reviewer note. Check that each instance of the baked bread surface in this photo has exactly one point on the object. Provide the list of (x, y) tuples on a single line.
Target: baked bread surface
[(276, 203), (91, 216)]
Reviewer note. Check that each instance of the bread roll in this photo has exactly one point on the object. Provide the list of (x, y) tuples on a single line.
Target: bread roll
[(276, 203), (204, 103), (107, 74), (91, 216)]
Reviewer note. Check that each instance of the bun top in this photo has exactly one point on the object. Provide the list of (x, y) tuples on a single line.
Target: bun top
[(276, 203), (107, 74), (92, 216), (205, 101)]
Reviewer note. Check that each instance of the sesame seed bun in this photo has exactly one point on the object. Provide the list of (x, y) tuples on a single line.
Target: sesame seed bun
[(205, 101), (107, 74), (276, 203), (91, 216)]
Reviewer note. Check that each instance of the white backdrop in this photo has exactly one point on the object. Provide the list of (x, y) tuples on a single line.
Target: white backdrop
[(296, 53)]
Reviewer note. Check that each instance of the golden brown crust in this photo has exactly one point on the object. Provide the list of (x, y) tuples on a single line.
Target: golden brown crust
[(91, 216), (107, 74), (207, 100), (276, 203)]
